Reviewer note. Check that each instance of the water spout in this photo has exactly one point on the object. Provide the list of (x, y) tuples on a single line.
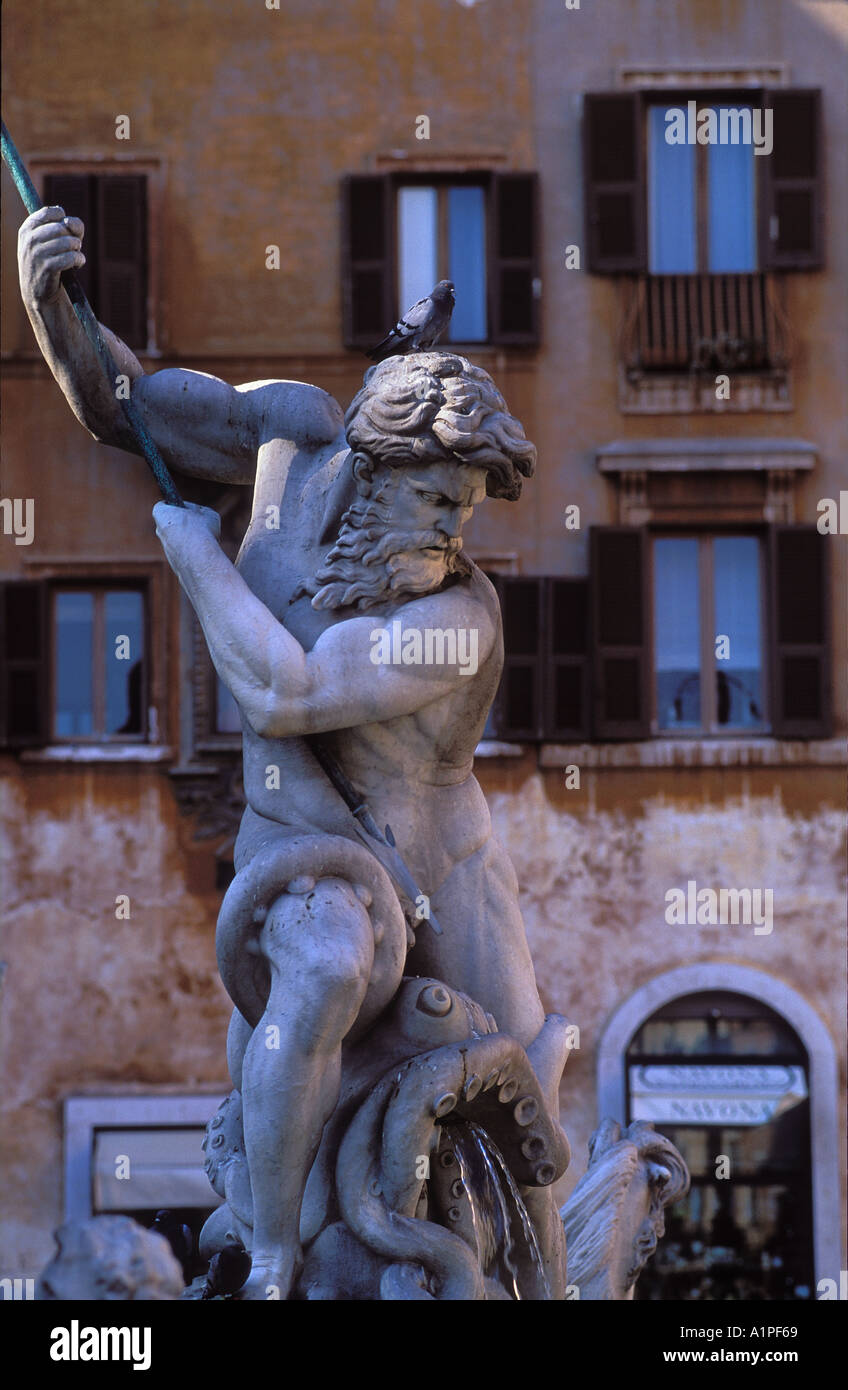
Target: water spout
[(507, 1245)]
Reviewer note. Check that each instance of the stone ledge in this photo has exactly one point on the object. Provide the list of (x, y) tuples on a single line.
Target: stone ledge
[(99, 753), (491, 748), (684, 753), (732, 455)]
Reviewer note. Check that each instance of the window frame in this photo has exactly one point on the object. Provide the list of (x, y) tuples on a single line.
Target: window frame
[(616, 639), (383, 264), (628, 182), (712, 97), (442, 183), (709, 728), (86, 1116), (99, 589)]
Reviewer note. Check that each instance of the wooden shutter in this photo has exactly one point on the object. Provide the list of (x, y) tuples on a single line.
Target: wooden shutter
[(514, 259), (23, 663), (521, 693), (620, 631), (75, 193), (566, 676), (122, 256), (792, 179), (800, 632), (368, 292), (614, 182)]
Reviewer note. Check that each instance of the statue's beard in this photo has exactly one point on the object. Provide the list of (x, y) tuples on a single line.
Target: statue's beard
[(372, 562)]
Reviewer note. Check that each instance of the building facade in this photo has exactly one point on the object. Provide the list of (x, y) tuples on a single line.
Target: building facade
[(662, 305)]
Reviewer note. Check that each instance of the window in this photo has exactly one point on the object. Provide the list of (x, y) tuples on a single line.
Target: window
[(115, 275), (98, 664), (677, 209), (772, 593), (701, 200), (723, 1076), (544, 690), (441, 235), (705, 633), (403, 233), (135, 1155), (75, 663), (696, 230), (708, 639)]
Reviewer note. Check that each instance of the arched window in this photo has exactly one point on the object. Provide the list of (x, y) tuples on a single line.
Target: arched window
[(727, 1080)]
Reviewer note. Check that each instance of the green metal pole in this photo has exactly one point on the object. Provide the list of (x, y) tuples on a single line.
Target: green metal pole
[(91, 328)]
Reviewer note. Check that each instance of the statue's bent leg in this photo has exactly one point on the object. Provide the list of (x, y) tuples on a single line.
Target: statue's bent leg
[(320, 950)]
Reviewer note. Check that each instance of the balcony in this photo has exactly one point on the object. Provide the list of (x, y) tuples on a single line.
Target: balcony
[(680, 332)]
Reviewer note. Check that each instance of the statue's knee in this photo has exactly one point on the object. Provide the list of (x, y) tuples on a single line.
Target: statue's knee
[(319, 936)]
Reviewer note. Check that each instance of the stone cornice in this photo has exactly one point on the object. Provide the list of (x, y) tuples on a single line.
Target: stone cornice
[(760, 454)]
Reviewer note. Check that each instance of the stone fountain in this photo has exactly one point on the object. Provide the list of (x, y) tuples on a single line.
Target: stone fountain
[(393, 1128)]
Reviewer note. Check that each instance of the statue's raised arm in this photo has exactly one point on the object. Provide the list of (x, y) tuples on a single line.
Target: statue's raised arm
[(202, 425)]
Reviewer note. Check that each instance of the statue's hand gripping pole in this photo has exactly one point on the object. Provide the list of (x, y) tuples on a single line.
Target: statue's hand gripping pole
[(91, 328)]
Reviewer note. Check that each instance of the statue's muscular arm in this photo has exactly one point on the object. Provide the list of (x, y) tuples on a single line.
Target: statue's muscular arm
[(202, 425), (284, 690)]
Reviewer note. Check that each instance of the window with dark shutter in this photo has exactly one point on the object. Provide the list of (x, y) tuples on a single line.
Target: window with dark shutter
[(566, 692), (614, 182), (401, 234), (619, 625), (514, 259), (521, 693), (792, 207), (23, 655), (122, 255), (800, 632), (367, 259), (114, 277)]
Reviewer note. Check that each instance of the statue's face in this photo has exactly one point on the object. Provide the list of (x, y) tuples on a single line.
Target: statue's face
[(435, 498), (402, 538)]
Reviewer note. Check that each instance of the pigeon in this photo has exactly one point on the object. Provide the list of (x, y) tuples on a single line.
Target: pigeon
[(421, 326), (178, 1236), (227, 1272)]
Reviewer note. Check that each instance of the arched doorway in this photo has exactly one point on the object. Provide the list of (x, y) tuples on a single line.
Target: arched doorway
[(727, 1080), (756, 1052)]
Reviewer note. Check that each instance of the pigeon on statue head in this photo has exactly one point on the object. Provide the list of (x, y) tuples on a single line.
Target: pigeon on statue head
[(421, 327)]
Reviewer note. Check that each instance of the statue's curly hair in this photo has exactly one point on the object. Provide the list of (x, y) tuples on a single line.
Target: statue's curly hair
[(430, 407)]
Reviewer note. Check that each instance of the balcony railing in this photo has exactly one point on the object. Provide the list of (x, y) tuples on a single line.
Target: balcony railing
[(704, 323)]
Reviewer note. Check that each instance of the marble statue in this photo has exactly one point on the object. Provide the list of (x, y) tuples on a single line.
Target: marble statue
[(615, 1216), (110, 1258), (393, 1128)]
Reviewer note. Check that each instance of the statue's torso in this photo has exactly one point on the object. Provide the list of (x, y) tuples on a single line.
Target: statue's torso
[(416, 770)]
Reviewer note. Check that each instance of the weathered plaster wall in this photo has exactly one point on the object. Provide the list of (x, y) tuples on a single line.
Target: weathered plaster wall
[(90, 1000), (595, 865)]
